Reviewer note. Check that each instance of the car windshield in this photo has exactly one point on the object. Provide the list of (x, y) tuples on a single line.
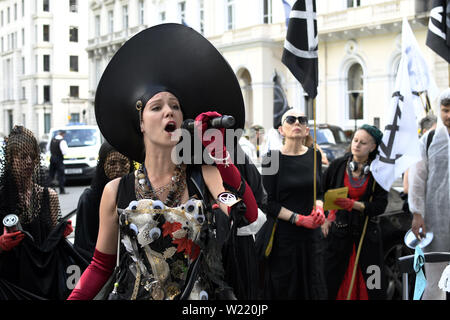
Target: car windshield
[(80, 137), (324, 136)]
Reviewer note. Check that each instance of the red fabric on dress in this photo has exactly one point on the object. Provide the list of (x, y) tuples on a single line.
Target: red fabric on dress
[(359, 291), (355, 193)]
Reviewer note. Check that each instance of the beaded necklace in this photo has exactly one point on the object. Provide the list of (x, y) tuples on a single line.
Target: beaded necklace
[(176, 186)]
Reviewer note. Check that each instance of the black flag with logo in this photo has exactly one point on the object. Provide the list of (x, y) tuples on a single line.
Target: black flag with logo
[(280, 104), (438, 36), (301, 44)]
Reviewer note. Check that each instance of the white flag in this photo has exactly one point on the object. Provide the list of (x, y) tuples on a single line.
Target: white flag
[(399, 148), (420, 78)]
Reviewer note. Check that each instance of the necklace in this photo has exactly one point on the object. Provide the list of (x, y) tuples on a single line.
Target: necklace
[(357, 182), (176, 187)]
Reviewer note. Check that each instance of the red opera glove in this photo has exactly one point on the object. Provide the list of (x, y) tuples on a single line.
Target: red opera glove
[(331, 215), (69, 228), (319, 215), (8, 241), (306, 221), (212, 141), (345, 203), (94, 277), (228, 171)]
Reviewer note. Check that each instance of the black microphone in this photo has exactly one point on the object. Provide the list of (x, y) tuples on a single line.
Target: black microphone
[(219, 122)]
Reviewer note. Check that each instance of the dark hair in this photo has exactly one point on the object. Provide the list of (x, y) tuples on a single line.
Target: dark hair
[(427, 122)]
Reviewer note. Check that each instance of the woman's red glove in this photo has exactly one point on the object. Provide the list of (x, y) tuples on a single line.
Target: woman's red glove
[(312, 221), (228, 171), (8, 241), (94, 277), (345, 203), (319, 215), (213, 141), (69, 228), (306, 221), (331, 215)]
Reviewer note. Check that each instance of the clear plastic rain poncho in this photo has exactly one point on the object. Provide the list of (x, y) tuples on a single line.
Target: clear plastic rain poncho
[(429, 187)]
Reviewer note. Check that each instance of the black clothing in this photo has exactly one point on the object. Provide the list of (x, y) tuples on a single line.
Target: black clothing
[(245, 245), (57, 168), (86, 231), (35, 271), (55, 149), (57, 164), (295, 264), (346, 231), (88, 207)]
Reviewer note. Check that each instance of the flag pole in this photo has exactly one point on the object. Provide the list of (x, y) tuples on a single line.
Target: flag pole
[(315, 155)]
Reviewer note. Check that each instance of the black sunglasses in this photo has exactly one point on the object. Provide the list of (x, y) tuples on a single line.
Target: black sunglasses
[(292, 119)]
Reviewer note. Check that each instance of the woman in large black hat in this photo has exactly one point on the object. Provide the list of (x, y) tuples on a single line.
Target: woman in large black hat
[(168, 247)]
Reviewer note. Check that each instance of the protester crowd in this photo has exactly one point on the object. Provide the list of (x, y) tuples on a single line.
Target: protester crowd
[(151, 228)]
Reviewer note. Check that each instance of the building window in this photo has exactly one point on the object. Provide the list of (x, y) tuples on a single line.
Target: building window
[(125, 17), (202, 16), (73, 34), (23, 65), (1, 18), (97, 25), (2, 48), (46, 93), (355, 89), (46, 62), (23, 8), (73, 6), (74, 117), (46, 33), (353, 3), (182, 11), (47, 122), (267, 14), (110, 21), (74, 92), (162, 16), (46, 5), (74, 63), (141, 12), (24, 93), (15, 11), (230, 14), (23, 36), (8, 16)]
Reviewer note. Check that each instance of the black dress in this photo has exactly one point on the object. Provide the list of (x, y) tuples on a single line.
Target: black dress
[(295, 267), (345, 233), (44, 265)]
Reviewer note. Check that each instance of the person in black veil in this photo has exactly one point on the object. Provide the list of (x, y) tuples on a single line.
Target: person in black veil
[(34, 254), (158, 224), (111, 165)]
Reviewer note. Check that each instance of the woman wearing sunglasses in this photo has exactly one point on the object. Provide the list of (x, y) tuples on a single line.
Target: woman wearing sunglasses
[(294, 265)]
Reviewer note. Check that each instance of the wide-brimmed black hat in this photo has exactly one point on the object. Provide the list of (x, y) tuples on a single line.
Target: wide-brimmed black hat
[(167, 57)]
